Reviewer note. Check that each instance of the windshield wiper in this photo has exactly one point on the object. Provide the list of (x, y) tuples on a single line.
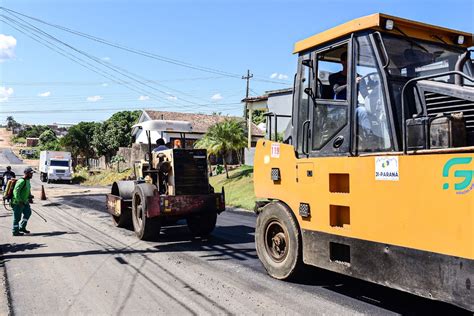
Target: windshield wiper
[(411, 40)]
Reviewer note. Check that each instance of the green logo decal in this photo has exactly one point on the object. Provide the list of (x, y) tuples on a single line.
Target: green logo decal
[(464, 175)]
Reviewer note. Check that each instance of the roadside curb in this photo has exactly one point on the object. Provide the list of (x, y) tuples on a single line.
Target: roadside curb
[(5, 299)]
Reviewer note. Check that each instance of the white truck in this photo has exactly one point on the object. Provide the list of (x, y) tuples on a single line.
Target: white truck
[(55, 166)]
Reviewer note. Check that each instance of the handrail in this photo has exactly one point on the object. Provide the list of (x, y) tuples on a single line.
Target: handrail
[(304, 149), (276, 116), (384, 50), (411, 81)]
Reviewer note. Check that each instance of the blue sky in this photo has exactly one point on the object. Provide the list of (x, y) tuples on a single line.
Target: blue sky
[(230, 36)]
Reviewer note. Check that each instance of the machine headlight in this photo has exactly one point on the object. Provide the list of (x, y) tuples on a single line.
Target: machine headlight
[(389, 25)]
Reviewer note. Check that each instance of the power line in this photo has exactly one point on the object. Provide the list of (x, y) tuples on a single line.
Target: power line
[(86, 83), (110, 66), (75, 110), (54, 47), (137, 51), (73, 58)]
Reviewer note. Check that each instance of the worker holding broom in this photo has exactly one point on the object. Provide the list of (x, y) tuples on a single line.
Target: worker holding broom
[(21, 203)]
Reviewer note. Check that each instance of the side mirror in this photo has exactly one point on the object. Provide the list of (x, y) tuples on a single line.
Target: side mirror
[(310, 93)]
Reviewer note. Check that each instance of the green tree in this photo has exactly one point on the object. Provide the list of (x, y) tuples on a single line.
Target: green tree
[(33, 131), (223, 138), (47, 137), (114, 133), (11, 123), (79, 138), (117, 159), (258, 117), (49, 141)]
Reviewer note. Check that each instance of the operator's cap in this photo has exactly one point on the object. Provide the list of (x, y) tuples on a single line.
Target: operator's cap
[(29, 170)]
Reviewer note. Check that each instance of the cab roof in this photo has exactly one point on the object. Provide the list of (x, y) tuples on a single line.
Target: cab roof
[(376, 22)]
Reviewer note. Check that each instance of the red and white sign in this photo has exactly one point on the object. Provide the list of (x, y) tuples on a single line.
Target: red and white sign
[(275, 150)]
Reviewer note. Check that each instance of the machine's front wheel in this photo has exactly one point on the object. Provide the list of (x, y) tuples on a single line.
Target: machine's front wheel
[(123, 189), (277, 240), (201, 225), (145, 228)]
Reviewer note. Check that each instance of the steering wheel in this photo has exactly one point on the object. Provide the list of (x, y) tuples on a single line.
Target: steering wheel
[(368, 82)]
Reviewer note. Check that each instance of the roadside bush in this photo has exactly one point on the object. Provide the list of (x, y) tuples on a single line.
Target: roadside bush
[(18, 140), (81, 174)]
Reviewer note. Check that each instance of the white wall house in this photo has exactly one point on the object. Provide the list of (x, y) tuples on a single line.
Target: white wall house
[(200, 124)]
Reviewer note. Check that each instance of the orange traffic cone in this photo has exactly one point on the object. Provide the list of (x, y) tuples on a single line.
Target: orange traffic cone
[(43, 194)]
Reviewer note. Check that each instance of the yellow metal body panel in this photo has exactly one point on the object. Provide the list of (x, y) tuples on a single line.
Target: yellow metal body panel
[(376, 21), (417, 211)]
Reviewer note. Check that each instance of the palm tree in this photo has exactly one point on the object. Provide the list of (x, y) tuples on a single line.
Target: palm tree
[(223, 138), (10, 122)]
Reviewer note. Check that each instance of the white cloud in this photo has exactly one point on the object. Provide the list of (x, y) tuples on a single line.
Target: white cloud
[(216, 97), (94, 98), (44, 94), (105, 58), (276, 75), (143, 98), (5, 93), (105, 85), (7, 47), (172, 98)]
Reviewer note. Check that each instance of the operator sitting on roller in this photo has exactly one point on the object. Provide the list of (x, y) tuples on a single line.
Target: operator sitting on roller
[(338, 82), (21, 203), (161, 145)]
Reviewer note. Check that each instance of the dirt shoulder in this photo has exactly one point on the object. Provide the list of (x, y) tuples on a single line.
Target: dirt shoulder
[(5, 137)]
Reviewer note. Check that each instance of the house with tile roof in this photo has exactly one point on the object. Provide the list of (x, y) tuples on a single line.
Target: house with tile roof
[(200, 124)]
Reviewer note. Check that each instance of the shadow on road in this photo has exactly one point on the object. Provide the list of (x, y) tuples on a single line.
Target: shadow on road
[(14, 248), (226, 242), (374, 294), (51, 234)]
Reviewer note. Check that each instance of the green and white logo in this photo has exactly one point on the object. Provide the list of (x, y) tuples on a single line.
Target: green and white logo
[(465, 175)]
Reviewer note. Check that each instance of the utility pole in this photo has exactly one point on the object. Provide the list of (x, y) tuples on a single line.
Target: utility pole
[(247, 111)]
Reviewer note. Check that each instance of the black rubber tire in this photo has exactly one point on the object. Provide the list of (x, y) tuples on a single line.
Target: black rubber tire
[(43, 177), (145, 228), (202, 224), (124, 220), (274, 216)]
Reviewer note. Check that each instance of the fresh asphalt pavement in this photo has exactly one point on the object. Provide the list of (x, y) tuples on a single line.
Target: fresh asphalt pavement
[(79, 263)]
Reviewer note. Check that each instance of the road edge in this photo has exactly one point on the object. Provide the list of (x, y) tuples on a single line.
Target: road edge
[(5, 298)]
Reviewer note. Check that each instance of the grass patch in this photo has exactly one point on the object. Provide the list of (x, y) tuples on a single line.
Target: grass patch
[(18, 140), (238, 188), (104, 178)]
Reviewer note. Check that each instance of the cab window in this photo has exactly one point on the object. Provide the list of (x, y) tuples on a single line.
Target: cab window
[(370, 112), (330, 112)]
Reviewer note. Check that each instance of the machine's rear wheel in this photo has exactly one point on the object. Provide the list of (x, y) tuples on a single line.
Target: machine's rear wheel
[(201, 225), (277, 240), (145, 228)]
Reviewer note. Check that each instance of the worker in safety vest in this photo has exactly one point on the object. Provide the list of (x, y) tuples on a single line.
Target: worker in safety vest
[(21, 203)]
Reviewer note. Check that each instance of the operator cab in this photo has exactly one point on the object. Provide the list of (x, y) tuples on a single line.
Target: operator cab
[(178, 170), (382, 84)]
